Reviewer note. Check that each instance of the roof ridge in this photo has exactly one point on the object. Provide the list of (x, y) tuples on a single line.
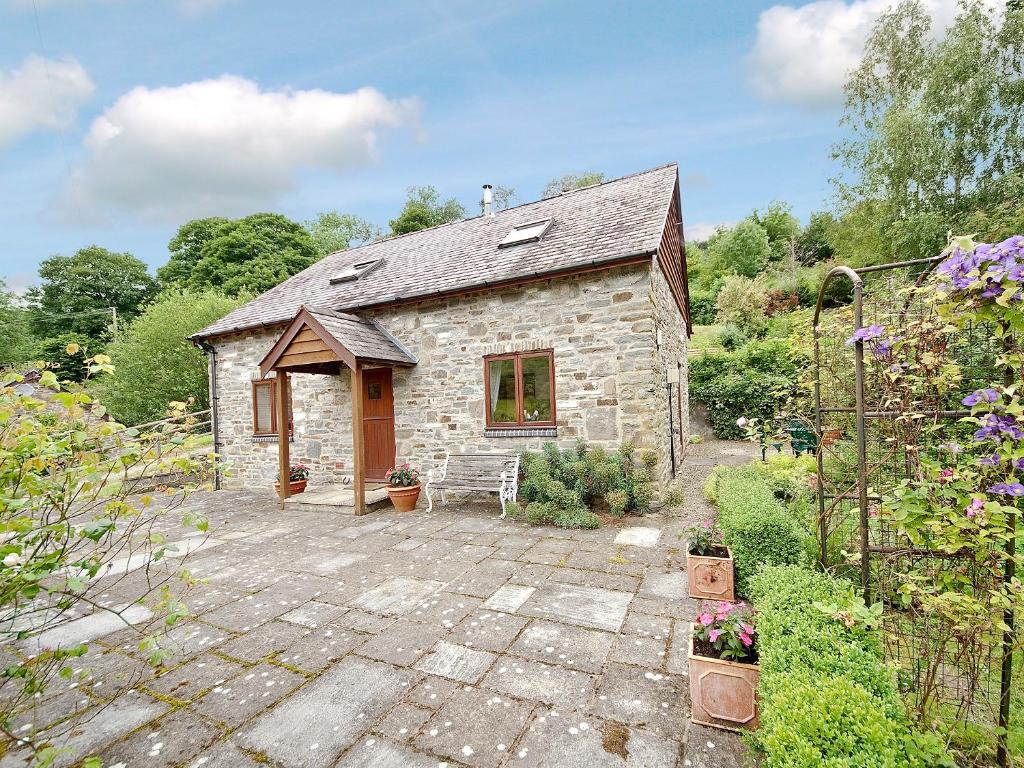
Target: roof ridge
[(505, 210)]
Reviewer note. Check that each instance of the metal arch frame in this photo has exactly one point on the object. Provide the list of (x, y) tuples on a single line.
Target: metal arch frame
[(857, 280)]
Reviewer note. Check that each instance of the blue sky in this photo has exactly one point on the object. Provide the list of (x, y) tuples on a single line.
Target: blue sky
[(121, 119)]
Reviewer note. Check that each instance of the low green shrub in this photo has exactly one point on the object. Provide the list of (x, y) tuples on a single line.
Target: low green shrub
[(564, 487), (756, 524), (703, 307), (826, 697)]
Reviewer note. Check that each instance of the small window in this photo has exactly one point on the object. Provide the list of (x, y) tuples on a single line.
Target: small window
[(264, 408), (520, 389), (526, 233), (357, 270)]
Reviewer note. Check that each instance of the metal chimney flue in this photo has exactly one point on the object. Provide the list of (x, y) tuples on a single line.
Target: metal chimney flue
[(488, 201)]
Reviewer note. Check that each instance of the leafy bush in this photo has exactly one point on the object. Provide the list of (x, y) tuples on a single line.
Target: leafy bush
[(562, 487), (65, 354), (742, 303), (826, 697), (154, 361), (756, 525), (702, 307), (733, 338), (749, 382)]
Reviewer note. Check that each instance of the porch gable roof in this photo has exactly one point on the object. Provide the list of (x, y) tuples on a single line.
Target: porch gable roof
[(334, 338)]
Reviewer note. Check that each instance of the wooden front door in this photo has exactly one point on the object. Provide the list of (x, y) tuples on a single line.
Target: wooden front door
[(378, 422)]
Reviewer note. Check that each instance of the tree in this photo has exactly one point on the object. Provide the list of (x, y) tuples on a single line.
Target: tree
[(155, 363), (570, 182), (931, 122), (16, 339), (742, 250), (75, 510), (65, 354), (742, 302), (78, 292), (332, 231), (780, 225), (186, 249), (249, 255), (812, 243), (424, 209)]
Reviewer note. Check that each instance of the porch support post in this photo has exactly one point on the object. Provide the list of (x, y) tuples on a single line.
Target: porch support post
[(358, 447), (283, 460)]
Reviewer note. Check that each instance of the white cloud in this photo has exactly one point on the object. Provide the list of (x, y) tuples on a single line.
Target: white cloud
[(803, 54), (222, 146), (702, 230), (41, 94)]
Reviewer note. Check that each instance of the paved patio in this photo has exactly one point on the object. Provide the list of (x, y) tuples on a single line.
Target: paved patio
[(453, 638)]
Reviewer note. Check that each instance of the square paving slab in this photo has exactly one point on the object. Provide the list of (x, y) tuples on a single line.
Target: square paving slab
[(574, 604)]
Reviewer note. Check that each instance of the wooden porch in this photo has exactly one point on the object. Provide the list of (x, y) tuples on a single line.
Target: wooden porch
[(321, 341)]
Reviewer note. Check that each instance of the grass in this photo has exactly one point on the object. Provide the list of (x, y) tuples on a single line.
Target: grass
[(706, 336)]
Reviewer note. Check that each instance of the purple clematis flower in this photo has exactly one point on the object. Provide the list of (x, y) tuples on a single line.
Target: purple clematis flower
[(1008, 489), (989, 461), (866, 334), (981, 396)]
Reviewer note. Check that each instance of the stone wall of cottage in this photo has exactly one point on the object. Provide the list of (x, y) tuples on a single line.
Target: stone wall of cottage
[(609, 375), (672, 432)]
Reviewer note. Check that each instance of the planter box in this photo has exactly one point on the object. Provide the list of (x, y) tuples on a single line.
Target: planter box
[(711, 578), (294, 487), (723, 694), (404, 497)]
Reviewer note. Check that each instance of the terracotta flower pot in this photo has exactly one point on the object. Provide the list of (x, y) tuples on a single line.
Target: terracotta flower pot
[(723, 694), (404, 497), (711, 577), (294, 487)]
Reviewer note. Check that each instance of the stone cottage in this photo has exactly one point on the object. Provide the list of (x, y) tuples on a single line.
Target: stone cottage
[(556, 320)]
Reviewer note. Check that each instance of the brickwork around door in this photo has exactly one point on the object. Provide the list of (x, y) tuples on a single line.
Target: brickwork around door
[(609, 375)]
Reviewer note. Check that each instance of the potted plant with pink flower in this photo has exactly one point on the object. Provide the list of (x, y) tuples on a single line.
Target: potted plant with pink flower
[(723, 667), (403, 487), (709, 565), (298, 476)]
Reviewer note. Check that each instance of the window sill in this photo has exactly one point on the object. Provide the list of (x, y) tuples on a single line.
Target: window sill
[(521, 432), (270, 438)]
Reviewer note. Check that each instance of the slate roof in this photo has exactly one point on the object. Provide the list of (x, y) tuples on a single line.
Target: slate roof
[(365, 339), (595, 225)]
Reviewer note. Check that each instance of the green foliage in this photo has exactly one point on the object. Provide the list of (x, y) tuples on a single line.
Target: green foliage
[(756, 525), (750, 382), (155, 363), (741, 302), (186, 248), (252, 255), (733, 338), (702, 307), (743, 250), (932, 121), (577, 479), (570, 182), (15, 329), (332, 231), (73, 505), (781, 226), (424, 209), (65, 354), (812, 245), (826, 697), (77, 292)]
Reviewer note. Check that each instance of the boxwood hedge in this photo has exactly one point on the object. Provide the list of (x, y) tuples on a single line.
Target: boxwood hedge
[(826, 698)]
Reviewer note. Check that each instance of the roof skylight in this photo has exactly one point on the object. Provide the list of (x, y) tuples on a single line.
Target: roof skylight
[(526, 233), (355, 271)]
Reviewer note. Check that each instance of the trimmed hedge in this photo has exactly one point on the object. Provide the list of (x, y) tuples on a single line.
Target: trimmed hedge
[(826, 698), (755, 523)]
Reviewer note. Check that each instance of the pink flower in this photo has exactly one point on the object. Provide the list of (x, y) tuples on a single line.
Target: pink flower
[(714, 634), (706, 523), (724, 607), (976, 506), (706, 619), (746, 639), (945, 476), (747, 628)]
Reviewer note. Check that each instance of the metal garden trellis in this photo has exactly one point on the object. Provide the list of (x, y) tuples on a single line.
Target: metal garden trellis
[(866, 445)]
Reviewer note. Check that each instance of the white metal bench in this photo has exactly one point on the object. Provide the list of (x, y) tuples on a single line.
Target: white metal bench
[(484, 472)]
